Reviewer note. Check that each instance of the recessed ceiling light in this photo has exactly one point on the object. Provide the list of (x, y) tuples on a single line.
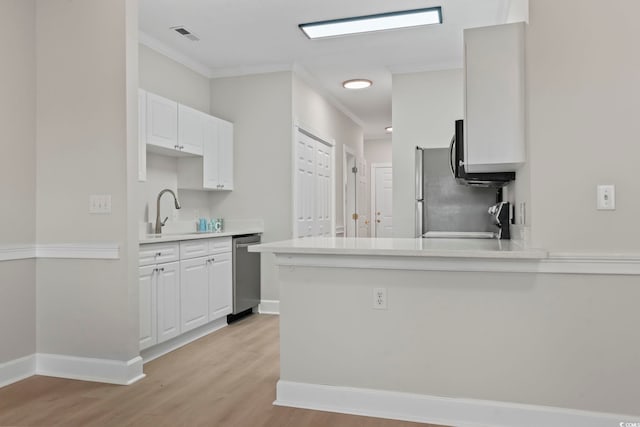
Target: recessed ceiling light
[(357, 84), (368, 23), (389, 129)]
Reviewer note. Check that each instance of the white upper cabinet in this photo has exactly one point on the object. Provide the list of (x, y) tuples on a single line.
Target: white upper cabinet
[(225, 154), (162, 122), (142, 135), (214, 171), (494, 139), (191, 133)]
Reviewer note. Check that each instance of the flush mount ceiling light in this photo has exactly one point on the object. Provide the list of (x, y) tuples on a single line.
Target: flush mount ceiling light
[(368, 23), (389, 129), (357, 84)]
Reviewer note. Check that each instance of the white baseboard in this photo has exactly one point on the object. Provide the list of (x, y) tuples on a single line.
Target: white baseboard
[(161, 349), (269, 306), (436, 410), (17, 369), (90, 369)]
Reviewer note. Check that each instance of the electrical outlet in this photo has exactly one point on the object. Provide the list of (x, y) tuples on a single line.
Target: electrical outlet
[(380, 298), (100, 204)]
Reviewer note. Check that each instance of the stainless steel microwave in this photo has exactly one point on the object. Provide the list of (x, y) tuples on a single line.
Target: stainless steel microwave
[(456, 160)]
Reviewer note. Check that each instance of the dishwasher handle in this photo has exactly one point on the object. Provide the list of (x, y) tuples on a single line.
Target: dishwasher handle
[(246, 245)]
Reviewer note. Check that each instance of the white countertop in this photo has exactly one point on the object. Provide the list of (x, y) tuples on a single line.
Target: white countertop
[(408, 247), (175, 237)]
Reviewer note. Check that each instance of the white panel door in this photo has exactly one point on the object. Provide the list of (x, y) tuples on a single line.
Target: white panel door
[(142, 135), (162, 122), (147, 303), (220, 286), (168, 292), (383, 202), (190, 130), (225, 154), (322, 189), (305, 189), (194, 293)]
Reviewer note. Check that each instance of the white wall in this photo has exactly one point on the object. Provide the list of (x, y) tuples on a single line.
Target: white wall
[(86, 121), (166, 77), (568, 341), (583, 102), (17, 175), (260, 108), (425, 107), (312, 110), (378, 151)]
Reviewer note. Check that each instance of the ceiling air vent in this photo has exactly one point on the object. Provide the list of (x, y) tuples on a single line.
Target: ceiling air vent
[(186, 33)]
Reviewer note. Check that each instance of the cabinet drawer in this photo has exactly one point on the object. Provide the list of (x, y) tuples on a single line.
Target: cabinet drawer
[(156, 253), (194, 248), (220, 245)]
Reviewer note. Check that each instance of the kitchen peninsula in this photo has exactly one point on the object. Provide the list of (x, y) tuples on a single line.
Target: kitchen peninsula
[(453, 331)]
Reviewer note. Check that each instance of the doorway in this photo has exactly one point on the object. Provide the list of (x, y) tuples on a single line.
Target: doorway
[(382, 200), (355, 195)]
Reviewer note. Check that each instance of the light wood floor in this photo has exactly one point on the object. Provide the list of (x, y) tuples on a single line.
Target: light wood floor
[(225, 379)]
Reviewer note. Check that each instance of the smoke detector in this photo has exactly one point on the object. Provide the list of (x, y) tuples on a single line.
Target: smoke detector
[(186, 33)]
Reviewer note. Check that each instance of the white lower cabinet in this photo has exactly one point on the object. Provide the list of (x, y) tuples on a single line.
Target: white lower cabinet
[(178, 296), (159, 303), (194, 292), (148, 321), (220, 288)]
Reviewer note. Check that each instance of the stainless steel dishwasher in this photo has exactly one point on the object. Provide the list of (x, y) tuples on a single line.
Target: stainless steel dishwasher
[(246, 275)]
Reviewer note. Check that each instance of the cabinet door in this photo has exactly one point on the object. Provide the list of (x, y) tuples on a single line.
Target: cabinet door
[(142, 135), (168, 300), (194, 293), (148, 319), (225, 154), (162, 122), (190, 130), (220, 286), (210, 168), (494, 133)]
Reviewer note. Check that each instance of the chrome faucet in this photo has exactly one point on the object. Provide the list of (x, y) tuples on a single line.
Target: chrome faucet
[(159, 223)]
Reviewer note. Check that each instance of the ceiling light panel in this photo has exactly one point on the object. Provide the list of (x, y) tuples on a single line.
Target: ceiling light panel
[(369, 23), (357, 84)]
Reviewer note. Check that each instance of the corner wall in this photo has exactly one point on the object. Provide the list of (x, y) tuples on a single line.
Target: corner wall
[(17, 175), (87, 120)]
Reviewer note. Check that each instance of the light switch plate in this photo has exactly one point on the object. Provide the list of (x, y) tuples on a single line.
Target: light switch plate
[(606, 197), (100, 204)]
